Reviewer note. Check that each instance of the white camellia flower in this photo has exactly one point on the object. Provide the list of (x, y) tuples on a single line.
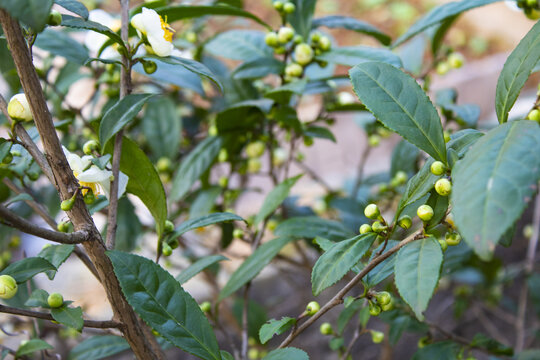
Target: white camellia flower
[(149, 24), (18, 108), (94, 40), (93, 177)]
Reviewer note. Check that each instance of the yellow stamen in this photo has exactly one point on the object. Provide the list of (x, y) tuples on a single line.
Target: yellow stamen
[(169, 32), (94, 186)]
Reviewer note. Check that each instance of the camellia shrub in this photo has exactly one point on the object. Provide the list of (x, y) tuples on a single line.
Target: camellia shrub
[(184, 118)]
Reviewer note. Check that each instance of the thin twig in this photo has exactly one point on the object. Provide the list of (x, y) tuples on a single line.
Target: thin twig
[(360, 169), (86, 261), (357, 333), (312, 174), (28, 227)]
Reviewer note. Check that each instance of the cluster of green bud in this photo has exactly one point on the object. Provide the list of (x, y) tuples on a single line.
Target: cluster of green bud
[(284, 7), (382, 301), (453, 61), (531, 8)]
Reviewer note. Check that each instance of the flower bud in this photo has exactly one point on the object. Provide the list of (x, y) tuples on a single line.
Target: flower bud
[(254, 166), (534, 115), (19, 109), (294, 70), (278, 5), (377, 336), (365, 228), (372, 211), (205, 306), (442, 68), (271, 39), (443, 244), (55, 18), (166, 249), (324, 43), (374, 309), (164, 164), (443, 187), (312, 308), (8, 287), (285, 34), (90, 146), (374, 140), (89, 197), (378, 227), (67, 204), (437, 168), (303, 54), (169, 226), (63, 226), (289, 7), (452, 238), (383, 298), (456, 60), (405, 222), (149, 67), (425, 212), (255, 149), (326, 329), (55, 300)]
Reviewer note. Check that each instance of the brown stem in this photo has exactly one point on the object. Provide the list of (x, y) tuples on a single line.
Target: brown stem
[(357, 333), (137, 335)]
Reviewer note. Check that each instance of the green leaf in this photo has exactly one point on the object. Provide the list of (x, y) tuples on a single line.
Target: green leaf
[(253, 265), (400, 104), (162, 127), (417, 270), (74, 6), (385, 268), (243, 45), (288, 353), (205, 220), (443, 350), (258, 68), (119, 115), (354, 55), (226, 356), (38, 298), (439, 14), (418, 186), (129, 228), (162, 303), (179, 12), (350, 23), (404, 158), (33, 345), (337, 261), (309, 227), (204, 202), (25, 269), (194, 165), (70, 317), (173, 74), (98, 347), (61, 44), (34, 13), (275, 198), (199, 266), (144, 181), (491, 345), (319, 132), (301, 19), (494, 182), (56, 255), (461, 141), (256, 316), (276, 327), (79, 23), (516, 71)]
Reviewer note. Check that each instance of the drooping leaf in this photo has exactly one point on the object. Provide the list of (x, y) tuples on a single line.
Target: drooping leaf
[(418, 186), (301, 19), (162, 303), (399, 103), (205, 220), (74, 6), (38, 298), (61, 44), (199, 266), (34, 13), (275, 198), (253, 265), (98, 347), (516, 71), (354, 55), (350, 23), (162, 127), (288, 353), (56, 255), (417, 271), (70, 317), (494, 182), (33, 345), (258, 68), (128, 227), (404, 158), (310, 227), (119, 115), (440, 13), (25, 269), (243, 45), (275, 327), (194, 165), (385, 268), (79, 23), (337, 261)]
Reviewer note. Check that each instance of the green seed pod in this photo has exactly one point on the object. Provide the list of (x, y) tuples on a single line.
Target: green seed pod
[(452, 238), (378, 227), (365, 228), (405, 222), (376, 336), (166, 250), (8, 287), (55, 300), (271, 39), (67, 204), (443, 187), (437, 168), (312, 308), (374, 309), (372, 211), (425, 212), (326, 329), (289, 7), (383, 298), (169, 226)]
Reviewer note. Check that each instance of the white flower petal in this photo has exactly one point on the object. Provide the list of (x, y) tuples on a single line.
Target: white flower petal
[(122, 183), (94, 175), (138, 23), (74, 161), (160, 46)]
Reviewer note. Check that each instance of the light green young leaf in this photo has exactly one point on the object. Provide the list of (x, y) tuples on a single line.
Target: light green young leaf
[(253, 265), (275, 327), (25, 269), (98, 347), (205, 220), (199, 266), (33, 345), (417, 271), (399, 103), (162, 303), (34, 13), (288, 353), (74, 6), (275, 198), (516, 71), (494, 182), (162, 126), (337, 261), (70, 317)]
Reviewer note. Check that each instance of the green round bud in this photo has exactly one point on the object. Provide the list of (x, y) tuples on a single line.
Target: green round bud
[(63, 226), (374, 309), (453, 238), (55, 300), (532, 14), (443, 187), (89, 197), (149, 67), (169, 226), (205, 306), (374, 140), (534, 115), (443, 244), (376, 336), (442, 68), (298, 39), (7, 159), (173, 243), (389, 306), (223, 155), (315, 37), (383, 298), (223, 181), (294, 70), (272, 224), (191, 36), (253, 354), (255, 149), (8, 287), (532, 3), (365, 228), (401, 177), (55, 18), (90, 146), (447, 137), (405, 222), (378, 227), (271, 39), (19, 108), (312, 308), (289, 7), (425, 212), (320, 206), (456, 60), (280, 50), (423, 341), (326, 329), (164, 164), (32, 175), (278, 5), (372, 211), (166, 249), (528, 231), (285, 34), (303, 54), (254, 166), (437, 168), (238, 233), (212, 130), (67, 204), (324, 43)]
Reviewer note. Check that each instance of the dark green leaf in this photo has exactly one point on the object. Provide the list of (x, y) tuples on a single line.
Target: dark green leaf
[(491, 345), (173, 74), (34, 13), (56, 255), (418, 186), (199, 266), (275, 327), (33, 345), (243, 45), (275, 198), (98, 347), (516, 71), (129, 228), (404, 158), (25, 269), (162, 303), (444, 350), (70, 317), (440, 32), (74, 6), (400, 104), (79, 23), (466, 115), (354, 55), (38, 298), (61, 44), (310, 227), (350, 23), (440, 13), (194, 165), (162, 127), (337, 261), (462, 140), (226, 356), (205, 220), (417, 270), (253, 265), (302, 18), (258, 68), (204, 202), (256, 316), (494, 182), (384, 269), (288, 353), (319, 132), (119, 115)]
